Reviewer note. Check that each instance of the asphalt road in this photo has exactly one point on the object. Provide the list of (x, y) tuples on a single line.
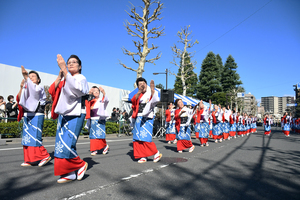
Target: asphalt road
[(252, 167)]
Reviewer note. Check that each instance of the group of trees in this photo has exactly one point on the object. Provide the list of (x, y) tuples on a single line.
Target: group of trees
[(216, 81)]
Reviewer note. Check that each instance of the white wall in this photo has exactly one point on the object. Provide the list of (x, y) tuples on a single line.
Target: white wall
[(11, 78)]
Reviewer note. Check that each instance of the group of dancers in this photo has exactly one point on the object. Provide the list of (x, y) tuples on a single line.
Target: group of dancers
[(288, 124), (215, 122), (74, 102), (71, 105)]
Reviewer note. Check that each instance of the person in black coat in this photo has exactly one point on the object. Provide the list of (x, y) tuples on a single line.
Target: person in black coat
[(12, 109)]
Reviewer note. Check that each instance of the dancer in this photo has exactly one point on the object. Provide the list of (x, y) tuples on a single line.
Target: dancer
[(267, 125), (143, 103), (183, 117), (248, 122), (32, 100), (96, 124), (203, 116), (170, 124), (68, 92), (232, 121), (240, 125), (197, 117), (216, 127), (285, 121), (225, 122), (254, 126)]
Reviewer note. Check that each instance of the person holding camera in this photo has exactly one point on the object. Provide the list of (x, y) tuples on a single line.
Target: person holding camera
[(12, 109)]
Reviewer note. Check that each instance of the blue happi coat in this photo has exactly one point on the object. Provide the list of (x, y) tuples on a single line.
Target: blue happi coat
[(143, 128), (67, 133), (32, 130), (204, 130), (97, 130)]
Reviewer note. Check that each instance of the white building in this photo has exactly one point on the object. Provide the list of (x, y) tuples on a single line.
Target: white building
[(276, 105), (11, 78)]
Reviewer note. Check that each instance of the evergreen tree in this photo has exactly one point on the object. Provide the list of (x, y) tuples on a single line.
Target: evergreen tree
[(230, 79), (191, 82), (209, 78), (160, 86), (220, 67), (219, 98)]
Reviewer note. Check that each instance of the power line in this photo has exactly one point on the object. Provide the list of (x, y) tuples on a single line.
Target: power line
[(236, 25)]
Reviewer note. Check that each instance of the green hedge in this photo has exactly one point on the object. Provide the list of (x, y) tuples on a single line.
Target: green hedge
[(10, 129), (14, 129)]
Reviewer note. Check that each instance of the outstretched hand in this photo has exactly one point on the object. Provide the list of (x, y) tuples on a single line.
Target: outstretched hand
[(152, 87), (62, 64), (102, 90), (24, 72)]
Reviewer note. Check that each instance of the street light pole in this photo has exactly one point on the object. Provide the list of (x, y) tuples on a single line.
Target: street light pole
[(166, 79), (166, 76)]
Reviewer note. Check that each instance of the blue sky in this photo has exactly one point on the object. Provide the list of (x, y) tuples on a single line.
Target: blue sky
[(263, 36)]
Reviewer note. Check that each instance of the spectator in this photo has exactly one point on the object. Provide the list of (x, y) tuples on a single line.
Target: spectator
[(125, 115), (2, 107), (12, 108), (113, 116), (118, 114)]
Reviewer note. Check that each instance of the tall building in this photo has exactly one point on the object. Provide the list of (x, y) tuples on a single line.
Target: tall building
[(250, 104), (276, 105)]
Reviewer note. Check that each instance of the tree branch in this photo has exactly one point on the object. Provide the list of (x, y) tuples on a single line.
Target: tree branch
[(127, 67)]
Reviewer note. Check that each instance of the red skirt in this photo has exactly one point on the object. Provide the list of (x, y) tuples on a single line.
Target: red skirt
[(170, 137), (232, 133), (210, 133), (63, 166), (225, 136), (286, 132), (184, 144), (34, 154), (143, 149), (217, 137), (203, 140), (197, 134), (267, 132), (97, 144), (240, 132)]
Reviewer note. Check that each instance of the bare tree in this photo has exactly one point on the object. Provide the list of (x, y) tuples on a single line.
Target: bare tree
[(140, 29), (184, 56)]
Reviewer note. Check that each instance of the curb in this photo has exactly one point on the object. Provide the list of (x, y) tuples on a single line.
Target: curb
[(52, 139)]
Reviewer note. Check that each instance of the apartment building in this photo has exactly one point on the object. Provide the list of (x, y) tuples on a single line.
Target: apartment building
[(276, 105)]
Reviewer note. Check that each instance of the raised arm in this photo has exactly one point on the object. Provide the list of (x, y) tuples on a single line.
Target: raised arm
[(24, 72), (102, 91), (21, 87), (58, 79), (62, 65)]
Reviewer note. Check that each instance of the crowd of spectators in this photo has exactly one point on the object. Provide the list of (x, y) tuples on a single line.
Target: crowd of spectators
[(8, 110), (117, 115)]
